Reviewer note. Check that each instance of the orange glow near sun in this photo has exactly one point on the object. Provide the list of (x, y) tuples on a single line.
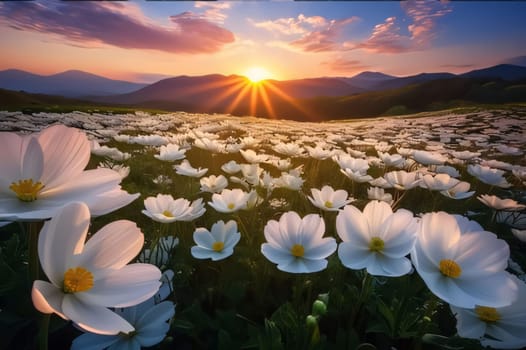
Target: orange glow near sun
[(257, 74)]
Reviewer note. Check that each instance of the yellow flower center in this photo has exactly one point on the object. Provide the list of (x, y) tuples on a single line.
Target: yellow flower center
[(297, 250), (77, 279), (218, 246), (450, 268), (26, 190), (328, 204), (231, 206), (168, 214), (376, 244), (487, 314)]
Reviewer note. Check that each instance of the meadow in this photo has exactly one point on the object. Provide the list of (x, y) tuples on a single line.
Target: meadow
[(460, 170)]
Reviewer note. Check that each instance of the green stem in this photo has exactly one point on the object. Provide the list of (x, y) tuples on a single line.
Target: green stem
[(43, 332)]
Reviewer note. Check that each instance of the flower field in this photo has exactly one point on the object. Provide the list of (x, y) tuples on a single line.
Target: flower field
[(196, 231)]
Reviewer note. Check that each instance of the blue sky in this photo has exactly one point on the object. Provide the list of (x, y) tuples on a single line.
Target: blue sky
[(146, 40)]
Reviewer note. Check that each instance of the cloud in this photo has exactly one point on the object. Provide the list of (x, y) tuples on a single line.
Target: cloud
[(341, 64), (117, 24), (214, 10), (387, 38), (317, 34)]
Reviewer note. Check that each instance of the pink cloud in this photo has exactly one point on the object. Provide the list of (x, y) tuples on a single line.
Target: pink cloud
[(325, 39), (348, 66), (117, 24), (387, 38), (317, 34)]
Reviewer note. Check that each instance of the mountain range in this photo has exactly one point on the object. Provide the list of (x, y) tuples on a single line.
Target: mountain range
[(365, 94)]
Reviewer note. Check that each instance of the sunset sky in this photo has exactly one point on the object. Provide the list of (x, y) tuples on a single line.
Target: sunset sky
[(148, 40)]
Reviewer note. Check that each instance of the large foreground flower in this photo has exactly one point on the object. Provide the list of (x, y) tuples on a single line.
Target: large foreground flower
[(151, 320), (297, 245), (499, 328), (42, 172), (376, 239), (461, 263), (87, 278)]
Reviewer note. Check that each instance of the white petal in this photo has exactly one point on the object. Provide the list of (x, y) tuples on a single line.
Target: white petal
[(469, 325), (354, 257), (113, 246), (94, 318), (275, 254), (303, 266), (351, 225), (125, 287), (66, 154), (323, 249), (376, 212), (62, 237), (47, 298), (90, 341), (33, 161), (201, 253), (385, 266), (203, 238), (13, 147), (481, 253)]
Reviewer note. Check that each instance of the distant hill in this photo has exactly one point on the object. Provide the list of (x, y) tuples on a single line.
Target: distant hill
[(72, 83), (502, 71), (516, 61), (368, 80)]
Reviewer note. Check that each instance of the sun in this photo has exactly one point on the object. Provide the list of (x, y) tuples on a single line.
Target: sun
[(257, 74)]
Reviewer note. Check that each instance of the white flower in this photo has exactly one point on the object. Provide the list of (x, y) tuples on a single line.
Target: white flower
[(446, 169), (213, 184), (231, 167), (164, 208), (499, 328), (497, 203), (376, 239), (519, 234), (251, 173), (229, 201), (186, 169), (319, 153), (109, 152), (297, 245), (329, 199), (488, 175), (459, 191), (378, 193), (151, 320), (461, 263), (356, 176), (290, 180), (291, 149), (429, 158), (355, 165), (171, 152), (438, 182), (42, 172), (216, 244), (207, 144), (251, 156), (464, 155), (87, 278), (402, 180), (392, 160), (123, 171)]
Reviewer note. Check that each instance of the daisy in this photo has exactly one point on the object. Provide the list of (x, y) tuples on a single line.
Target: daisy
[(88, 277), (459, 191), (186, 169), (429, 158), (438, 182), (171, 152), (218, 243), (402, 180), (229, 201), (151, 320), (213, 184), (461, 263), (488, 175), (499, 328), (231, 167), (377, 239), (165, 209), (379, 193), (329, 199), (42, 172), (297, 244), (497, 203)]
